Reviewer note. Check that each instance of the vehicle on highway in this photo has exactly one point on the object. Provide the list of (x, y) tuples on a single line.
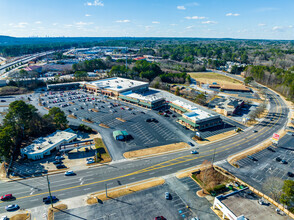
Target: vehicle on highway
[(47, 199), (254, 131), (2, 100), (191, 144), (167, 195), (290, 174), (154, 120), (12, 207), (4, 217), (194, 152), (6, 197), (278, 159), (69, 173), (159, 218)]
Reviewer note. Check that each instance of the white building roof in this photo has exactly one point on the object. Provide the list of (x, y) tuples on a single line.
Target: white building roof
[(149, 96), (194, 113), (118, 84), (44, 144)]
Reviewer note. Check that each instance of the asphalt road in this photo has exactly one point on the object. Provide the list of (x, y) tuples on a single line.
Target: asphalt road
[(29, 192)]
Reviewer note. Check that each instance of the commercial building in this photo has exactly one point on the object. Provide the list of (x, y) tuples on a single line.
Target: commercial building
[(194, 118), (242, 205), (132, 91), (231, 87), (114, 86), (65, 86), (45, 145), (229, 106)]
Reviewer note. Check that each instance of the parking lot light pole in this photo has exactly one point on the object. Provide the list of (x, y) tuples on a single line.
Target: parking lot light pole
[(48, 182)]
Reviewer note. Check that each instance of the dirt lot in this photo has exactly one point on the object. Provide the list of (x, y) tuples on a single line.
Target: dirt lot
[(210, 77)]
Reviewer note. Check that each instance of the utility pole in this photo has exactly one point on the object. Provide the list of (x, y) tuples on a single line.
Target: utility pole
[(48, 182), (106, 190)]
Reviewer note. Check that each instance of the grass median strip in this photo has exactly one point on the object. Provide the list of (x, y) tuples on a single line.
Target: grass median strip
[(102, 153), (56, 208), (124, 190), (156, 150)]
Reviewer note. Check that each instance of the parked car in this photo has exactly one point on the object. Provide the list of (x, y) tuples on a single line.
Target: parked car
[(154, 120), (252, 158), (290, 174), (167, 195), (4, 217), (159, 218), (60, 166), (57, 162), (254, 131), (284, 162), (6, 197), (194, 152), (90, 161), (69, 173), (12, 207), (278, 159), (148, 120)]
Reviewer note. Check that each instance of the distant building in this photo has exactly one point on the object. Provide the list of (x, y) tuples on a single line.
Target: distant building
[(194, 118), (242, 205), (229, 107), (231, 87), (46, 145), (65, 86), (139, 58)]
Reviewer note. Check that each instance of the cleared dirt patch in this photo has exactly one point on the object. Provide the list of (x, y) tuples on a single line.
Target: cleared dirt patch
[(156, 150), (211, 77), (120, 119), (215, 137), (55, 209), (84, 120), (71, 116), (21, 217), (122, 190), (103, 125)]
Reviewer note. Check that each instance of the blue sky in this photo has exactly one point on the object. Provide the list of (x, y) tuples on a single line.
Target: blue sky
[(250, 19)]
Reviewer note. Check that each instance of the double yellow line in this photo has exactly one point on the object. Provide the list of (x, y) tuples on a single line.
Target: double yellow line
[(168, 163)]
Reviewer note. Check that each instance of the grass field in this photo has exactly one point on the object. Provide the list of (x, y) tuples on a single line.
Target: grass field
[(210, 77)]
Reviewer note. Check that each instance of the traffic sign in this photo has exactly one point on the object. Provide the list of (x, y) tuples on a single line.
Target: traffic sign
[(276, 137)]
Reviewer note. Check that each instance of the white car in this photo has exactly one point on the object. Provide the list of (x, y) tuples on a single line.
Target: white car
[(4, 218)]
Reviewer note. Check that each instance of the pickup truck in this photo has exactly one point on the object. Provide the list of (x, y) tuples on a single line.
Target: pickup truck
[(47, 199)]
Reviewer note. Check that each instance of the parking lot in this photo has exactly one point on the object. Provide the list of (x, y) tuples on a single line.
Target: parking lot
[(101, 110), (266, 164), (149, 204)]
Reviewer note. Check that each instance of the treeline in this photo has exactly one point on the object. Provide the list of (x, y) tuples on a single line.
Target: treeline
[(23, 122), (90, 65), (143, 70), (277, 78)]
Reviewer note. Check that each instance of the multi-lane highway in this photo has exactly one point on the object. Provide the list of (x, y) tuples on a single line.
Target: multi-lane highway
[(29, 192)]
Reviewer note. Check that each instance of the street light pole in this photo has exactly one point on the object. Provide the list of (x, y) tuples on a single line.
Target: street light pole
[(106, 190), (48, 182)]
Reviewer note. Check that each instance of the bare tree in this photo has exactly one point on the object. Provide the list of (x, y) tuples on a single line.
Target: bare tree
[(273, 187)]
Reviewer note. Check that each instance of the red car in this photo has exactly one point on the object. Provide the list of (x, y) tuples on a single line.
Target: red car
[(121, 108), (159, 218), (6, 197)]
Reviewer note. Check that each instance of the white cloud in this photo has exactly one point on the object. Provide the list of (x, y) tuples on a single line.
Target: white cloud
[(290, 26), (195, 17), (20, 25), (123, 21), (87, 15), (54, 24), (278, 28), (193, 4), (232, 14), (83, 23), (173, 24), (261, 25), (189, 27), (95, 3), (155, 22), (38, 22), (181, 7), (209, 22)]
